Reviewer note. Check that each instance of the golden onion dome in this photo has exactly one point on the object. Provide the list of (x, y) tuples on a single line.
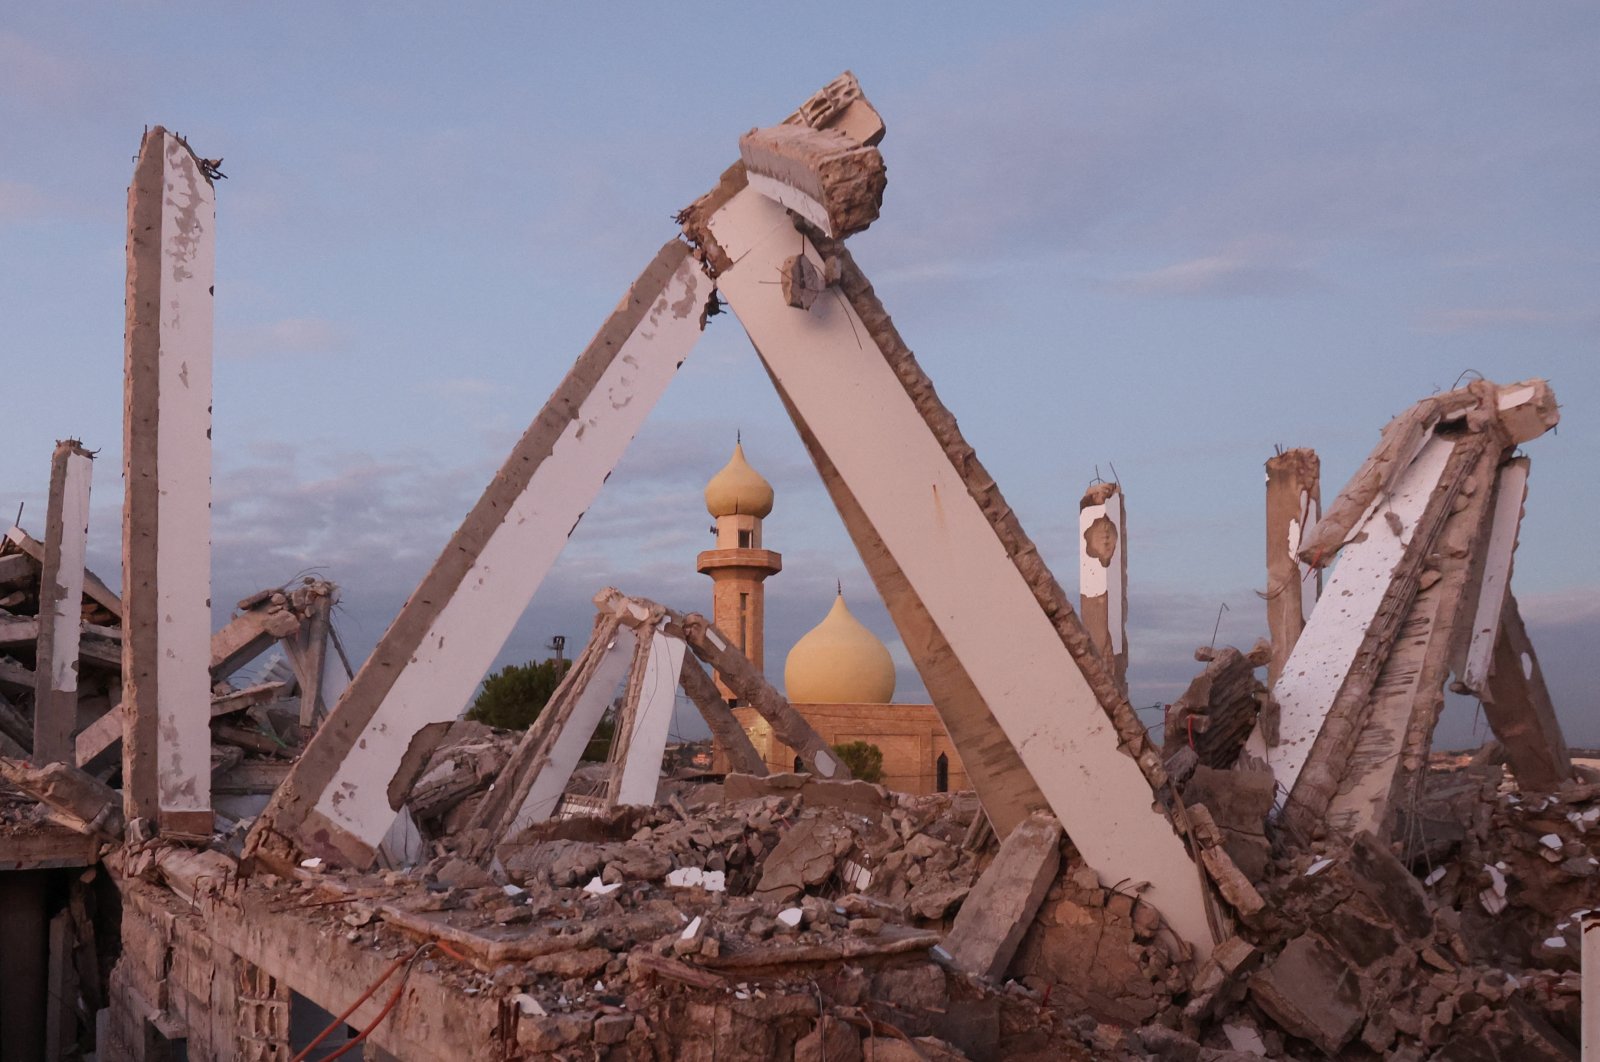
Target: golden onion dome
[(738, 490), (839, 661)]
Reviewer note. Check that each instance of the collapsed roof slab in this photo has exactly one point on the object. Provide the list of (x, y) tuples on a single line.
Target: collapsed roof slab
[(66, 540), (335, 802), (166, 521), (832, 366)]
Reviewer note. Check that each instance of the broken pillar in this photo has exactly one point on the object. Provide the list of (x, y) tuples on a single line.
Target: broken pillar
[(1001, 907), (1003, 654), (334, 802), (66, 539), (166, 523), (1294, 505), (1103, 576), (646, 715), (1216, 713), (833, 181), (1389, 757)]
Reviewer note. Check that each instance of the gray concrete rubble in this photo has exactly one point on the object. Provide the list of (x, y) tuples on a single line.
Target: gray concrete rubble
[(290, 855)]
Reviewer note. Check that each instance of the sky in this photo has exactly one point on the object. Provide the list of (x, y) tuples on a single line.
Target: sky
[(1154, 238)]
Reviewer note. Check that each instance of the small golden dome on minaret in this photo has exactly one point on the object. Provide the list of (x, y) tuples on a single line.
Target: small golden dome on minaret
[(738, 490), (839, 661)]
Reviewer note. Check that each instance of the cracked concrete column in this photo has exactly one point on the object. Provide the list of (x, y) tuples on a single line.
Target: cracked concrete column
[(1294, 505), (66, 538), (1103, 576), (166, 523)]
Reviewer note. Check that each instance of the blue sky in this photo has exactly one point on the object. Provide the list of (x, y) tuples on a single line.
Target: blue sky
[(1164, 237)]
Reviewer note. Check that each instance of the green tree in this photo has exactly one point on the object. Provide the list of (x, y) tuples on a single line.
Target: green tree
[(513, 697), (865, 760)]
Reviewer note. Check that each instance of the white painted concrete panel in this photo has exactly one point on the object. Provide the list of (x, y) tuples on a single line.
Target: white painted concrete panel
[(567, 749), (183, 459), (641, 774), (472, 627), (852, 401), (67, 616), (1316, 669), (1510, 493), (796, 200)]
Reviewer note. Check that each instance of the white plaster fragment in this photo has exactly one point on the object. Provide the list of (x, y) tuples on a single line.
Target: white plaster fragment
[(791, 917), (691, 929), (1435, 876), (596, 887), (529, 1006), (1318, 867)]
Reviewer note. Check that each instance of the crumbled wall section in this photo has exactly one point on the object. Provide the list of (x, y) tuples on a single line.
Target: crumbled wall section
[(166, 526)]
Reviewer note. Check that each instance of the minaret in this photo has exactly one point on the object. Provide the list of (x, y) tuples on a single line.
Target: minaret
[(739, 498)]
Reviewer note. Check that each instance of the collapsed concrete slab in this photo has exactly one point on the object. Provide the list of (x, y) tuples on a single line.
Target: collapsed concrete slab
[(166, 525), (55, 698)]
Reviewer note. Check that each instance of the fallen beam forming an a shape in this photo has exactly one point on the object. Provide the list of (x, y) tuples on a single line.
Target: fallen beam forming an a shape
[(835, 377)]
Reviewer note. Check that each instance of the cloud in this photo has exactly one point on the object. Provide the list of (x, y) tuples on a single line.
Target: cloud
[(21, 202), (1234, 272), (1482, 318), (289, 336)]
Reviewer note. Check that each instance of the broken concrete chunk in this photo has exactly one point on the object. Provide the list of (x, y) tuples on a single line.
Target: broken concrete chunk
[(827, 178), (1002, 905), (1312, 994)]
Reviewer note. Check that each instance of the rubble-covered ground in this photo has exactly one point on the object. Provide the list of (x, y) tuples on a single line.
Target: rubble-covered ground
[(785, 917)]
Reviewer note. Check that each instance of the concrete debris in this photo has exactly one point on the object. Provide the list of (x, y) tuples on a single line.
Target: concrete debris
[(1001, 906), (1292, 874)]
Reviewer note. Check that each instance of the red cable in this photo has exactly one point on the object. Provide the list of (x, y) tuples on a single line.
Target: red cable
[(325, 1033)]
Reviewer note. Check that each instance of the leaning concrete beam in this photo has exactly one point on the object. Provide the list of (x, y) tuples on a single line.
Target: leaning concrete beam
[(334, 803), (742, 755), (1294, 505), (1520, 712), (66, 539), (823, 175), (1390, 756), (539, 770), (643, 743), (1511, 492), (839, 366), (1524, 410), (166, 523), (1103, 576), (750, 686)]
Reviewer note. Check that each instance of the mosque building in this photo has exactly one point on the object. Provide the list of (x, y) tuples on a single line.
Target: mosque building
[(839, 676)]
